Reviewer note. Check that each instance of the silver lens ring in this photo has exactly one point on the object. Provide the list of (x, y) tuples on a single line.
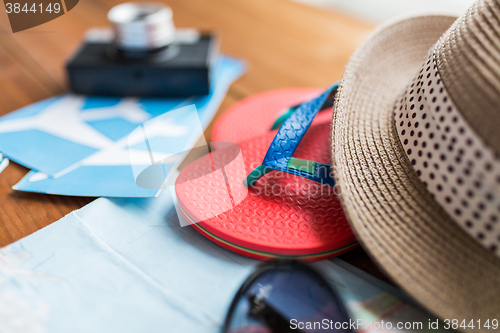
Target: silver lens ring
[(142, 26)]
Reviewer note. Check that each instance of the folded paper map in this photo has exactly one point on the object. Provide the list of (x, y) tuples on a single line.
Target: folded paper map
[(78, 145), (126, 265)]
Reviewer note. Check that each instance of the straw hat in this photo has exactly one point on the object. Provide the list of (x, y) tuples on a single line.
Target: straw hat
[(415, 148)]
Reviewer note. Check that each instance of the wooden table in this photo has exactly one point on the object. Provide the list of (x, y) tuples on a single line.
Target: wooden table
[(287, 44)]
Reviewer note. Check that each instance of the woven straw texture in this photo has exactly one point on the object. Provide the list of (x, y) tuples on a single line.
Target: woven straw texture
[(468, 58), (393, 215)]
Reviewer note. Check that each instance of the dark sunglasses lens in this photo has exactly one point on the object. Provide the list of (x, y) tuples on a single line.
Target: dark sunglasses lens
[(288, 298)]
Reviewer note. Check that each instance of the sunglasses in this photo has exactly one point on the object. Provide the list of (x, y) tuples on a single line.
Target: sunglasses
[(286, 296)]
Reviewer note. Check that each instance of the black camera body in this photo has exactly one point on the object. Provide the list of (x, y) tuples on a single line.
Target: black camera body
[(183, 68), (144, 55)]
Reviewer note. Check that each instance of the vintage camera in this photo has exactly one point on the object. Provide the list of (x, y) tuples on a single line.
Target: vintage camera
[(144, 55)]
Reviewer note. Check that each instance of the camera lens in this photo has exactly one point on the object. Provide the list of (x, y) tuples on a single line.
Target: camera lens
[(142, 26)]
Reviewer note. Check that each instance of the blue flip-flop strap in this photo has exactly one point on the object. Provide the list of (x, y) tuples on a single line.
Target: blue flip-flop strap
[(288, 111), (280, 153)]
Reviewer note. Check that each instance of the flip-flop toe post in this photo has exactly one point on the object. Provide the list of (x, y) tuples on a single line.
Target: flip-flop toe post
[(270, 201), (291, 132), (258, 114)]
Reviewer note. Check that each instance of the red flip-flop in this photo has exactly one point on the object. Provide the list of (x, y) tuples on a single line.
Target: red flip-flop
[(289, 208), (258, 114)]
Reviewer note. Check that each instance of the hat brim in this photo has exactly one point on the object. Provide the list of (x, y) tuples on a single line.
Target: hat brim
[(396, 220)]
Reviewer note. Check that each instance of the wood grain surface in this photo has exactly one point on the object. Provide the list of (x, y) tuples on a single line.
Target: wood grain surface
[(286, 44)]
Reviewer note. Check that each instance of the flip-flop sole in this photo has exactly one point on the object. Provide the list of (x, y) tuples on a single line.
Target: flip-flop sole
[(254, 116), (282, 216)]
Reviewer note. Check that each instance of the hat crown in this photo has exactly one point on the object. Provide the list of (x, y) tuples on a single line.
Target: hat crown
[(448, 122), (408, 227), (468, 60)]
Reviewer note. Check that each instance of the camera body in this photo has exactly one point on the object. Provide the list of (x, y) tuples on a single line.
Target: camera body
[(144, 56)]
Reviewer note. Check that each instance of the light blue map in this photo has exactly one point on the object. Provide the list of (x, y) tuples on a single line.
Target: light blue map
[(126, 265), (78, 145)]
